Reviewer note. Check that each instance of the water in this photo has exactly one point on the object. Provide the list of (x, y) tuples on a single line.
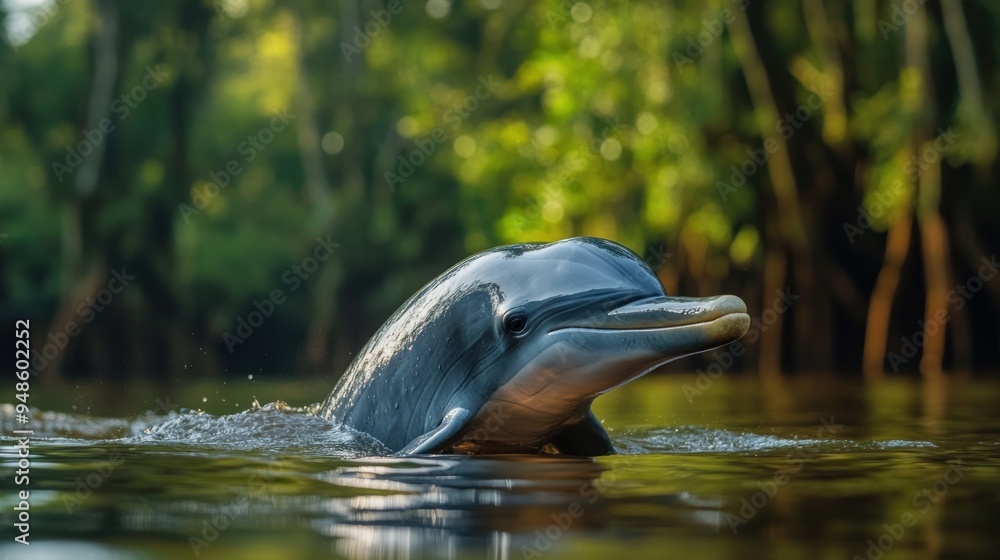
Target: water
[(810, 468)]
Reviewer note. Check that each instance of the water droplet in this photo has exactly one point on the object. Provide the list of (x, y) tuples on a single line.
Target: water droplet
[(250, 376)]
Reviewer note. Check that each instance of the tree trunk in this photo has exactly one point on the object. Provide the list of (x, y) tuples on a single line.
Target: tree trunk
[(880, 306), (79, 280), (789, 212)]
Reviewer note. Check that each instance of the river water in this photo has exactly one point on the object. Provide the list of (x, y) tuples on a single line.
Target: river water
[(813, 467)]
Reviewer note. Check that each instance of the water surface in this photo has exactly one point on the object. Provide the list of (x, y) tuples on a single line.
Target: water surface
[(807, 468)]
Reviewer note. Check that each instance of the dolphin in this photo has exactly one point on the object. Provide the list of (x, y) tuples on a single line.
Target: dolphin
[(506, 351)]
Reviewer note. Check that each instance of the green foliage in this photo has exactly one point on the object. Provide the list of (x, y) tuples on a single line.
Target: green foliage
[(532, 121)]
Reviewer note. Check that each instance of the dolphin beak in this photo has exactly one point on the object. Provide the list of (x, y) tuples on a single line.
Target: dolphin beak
[(665, 312), (670, 327)]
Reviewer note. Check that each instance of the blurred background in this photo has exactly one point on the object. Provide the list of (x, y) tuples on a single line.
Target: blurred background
[(216, 189)]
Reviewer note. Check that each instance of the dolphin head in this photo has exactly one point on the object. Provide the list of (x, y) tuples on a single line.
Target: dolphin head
[(581, 316)]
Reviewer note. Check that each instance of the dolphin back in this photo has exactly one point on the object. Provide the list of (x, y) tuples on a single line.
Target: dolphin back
[(419, 364)]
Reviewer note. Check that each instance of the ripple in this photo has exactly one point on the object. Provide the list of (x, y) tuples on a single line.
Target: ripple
[(697, 439)]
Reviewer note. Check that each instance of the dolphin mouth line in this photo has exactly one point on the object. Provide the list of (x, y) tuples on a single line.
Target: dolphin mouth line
[(744, 317), (663, 312)]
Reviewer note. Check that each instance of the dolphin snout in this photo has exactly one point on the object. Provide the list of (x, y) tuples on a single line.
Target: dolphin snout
[(667, 311)]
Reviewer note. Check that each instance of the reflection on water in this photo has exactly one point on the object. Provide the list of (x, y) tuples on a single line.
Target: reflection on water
[(810, 468)]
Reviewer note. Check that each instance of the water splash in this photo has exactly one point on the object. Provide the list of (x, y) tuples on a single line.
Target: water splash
[(273, 427)]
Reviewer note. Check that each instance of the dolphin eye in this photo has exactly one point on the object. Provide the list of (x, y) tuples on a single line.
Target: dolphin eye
[(515, 323)]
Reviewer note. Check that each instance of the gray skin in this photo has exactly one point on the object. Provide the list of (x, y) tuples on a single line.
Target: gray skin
[(506, 351)]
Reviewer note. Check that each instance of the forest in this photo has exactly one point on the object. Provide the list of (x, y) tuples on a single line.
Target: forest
[(217, 188)]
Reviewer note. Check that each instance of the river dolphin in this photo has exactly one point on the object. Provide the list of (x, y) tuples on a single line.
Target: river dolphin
[(506, 351)]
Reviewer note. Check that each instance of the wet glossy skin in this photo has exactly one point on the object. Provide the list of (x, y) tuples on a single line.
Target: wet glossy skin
[(506, 350)]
